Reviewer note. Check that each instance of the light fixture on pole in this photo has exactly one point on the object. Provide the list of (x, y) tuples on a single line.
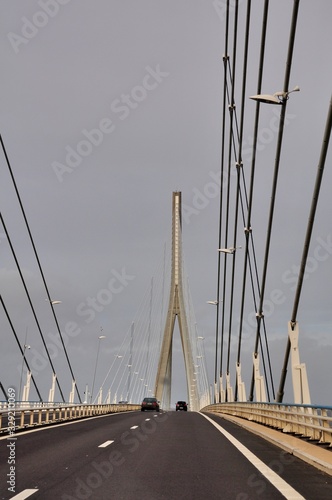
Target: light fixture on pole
[(230, 250), (94, 375), (213, 302), (276, 98), (54, 302)]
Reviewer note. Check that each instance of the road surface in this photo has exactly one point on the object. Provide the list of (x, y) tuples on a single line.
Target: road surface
[(148, 455)]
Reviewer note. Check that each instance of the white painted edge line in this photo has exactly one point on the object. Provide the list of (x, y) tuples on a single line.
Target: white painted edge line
[(285, 489), (107, 443), (24, 494)]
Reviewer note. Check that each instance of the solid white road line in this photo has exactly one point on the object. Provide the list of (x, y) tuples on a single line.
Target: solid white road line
[(285, 489), (24, 494), (105, 444), (134, 427)]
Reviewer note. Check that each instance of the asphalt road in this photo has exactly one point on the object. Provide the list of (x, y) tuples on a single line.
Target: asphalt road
[(153, 456)]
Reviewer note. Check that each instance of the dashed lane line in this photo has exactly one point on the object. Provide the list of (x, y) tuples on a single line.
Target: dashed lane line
[(107, 443), (24, 494)]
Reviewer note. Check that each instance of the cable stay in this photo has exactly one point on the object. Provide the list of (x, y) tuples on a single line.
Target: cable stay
[(40, 269)]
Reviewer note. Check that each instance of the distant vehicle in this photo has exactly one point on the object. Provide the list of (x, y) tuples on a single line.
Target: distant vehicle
[(150, 404), (123, 402), (181, 405)]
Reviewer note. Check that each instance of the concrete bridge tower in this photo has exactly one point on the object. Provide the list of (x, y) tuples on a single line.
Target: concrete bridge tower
[(176, 309)]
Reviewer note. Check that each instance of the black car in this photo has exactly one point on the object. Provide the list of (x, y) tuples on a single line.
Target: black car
[(181, 405), (150, 404)]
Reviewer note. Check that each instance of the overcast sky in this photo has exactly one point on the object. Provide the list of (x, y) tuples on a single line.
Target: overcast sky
[(107, 107)]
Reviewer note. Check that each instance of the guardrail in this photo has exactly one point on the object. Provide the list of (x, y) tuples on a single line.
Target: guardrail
[(15, 417), (310, 421)]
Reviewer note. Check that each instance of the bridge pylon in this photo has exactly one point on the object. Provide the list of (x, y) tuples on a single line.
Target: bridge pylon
[(176, 309)]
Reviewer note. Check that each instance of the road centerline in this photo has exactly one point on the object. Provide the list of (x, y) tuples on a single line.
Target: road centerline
[(104, 445), (24, 494)]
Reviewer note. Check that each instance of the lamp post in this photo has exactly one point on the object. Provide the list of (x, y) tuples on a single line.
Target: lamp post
[(230, 250), (94, 375), (283, 97), (276, 98), (54, 302)]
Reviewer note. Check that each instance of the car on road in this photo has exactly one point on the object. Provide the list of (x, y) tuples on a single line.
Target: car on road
[(181, 405), (150, 404)]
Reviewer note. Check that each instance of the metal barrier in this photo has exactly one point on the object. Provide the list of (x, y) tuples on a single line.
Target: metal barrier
[(310, 421), (15, 417)]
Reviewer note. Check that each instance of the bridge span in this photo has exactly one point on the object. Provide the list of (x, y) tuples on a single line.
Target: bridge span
[(89, 447), (136, 455)]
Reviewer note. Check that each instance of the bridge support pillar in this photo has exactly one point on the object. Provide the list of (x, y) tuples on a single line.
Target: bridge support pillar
[(52, 390), (259, 381), (108, 398), (26, 388), (72, 392), (242, 397), (216, 394), (299, 371), (229, 389), (222, 390)]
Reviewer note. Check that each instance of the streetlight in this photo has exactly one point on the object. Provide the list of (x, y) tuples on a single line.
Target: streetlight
[(54, 302), (213, 302), (230, 250), (94, 375), (276, 98)]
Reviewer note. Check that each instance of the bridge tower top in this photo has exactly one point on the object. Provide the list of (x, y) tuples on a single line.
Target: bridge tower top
[(176, 309)]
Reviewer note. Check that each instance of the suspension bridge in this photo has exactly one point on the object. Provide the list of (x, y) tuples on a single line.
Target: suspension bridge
[(143, 364)]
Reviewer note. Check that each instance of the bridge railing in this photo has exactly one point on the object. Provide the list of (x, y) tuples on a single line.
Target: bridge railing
[(309, 421), (17, 417)]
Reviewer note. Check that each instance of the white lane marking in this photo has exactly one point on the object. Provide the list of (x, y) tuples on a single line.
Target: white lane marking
[(24, 494), (285, 489), (134, 427), (147, 419), (107, 443)]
